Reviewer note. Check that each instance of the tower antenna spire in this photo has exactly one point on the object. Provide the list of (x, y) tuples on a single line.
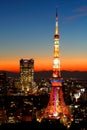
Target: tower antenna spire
[(56, 11)]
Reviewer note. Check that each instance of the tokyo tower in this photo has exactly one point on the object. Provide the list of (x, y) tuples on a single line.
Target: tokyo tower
[(56, 108)]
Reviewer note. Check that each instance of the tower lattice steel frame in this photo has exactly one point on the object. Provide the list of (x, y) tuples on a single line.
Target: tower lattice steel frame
[(56, 108)]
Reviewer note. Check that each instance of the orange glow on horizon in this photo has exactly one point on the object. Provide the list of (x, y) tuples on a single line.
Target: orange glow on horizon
[(74, 64), (9, 66), (16, 68), (46, 65)]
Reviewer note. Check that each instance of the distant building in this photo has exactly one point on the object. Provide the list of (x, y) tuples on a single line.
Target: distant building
[(26, 74), (3, 88)]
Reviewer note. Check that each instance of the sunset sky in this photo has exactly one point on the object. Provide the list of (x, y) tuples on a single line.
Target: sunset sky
[(27, 30)]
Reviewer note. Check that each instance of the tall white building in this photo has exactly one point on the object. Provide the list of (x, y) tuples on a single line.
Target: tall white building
[(26, 74)]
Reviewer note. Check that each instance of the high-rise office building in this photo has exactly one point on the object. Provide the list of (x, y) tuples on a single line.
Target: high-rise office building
[(26, 74)]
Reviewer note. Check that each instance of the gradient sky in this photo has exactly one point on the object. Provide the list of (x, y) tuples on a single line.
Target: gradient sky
[(27, 30)]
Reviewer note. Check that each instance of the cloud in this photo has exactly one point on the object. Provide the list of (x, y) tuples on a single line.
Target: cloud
[(81, 10), (78, 12)]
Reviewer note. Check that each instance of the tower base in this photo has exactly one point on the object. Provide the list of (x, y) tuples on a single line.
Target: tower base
[(56, 108)]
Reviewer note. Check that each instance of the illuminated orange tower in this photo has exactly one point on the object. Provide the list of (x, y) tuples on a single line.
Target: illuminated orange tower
[(56, 108)]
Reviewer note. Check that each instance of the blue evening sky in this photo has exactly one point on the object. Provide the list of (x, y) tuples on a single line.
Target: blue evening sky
[(27, 28)]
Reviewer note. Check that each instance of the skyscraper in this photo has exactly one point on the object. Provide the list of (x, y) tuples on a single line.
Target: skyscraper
[(26, 74), (56, 108)]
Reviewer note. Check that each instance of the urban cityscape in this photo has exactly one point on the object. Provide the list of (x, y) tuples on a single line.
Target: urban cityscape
[(55, 102)]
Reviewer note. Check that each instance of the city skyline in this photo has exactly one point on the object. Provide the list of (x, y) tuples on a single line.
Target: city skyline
[(27, 31)]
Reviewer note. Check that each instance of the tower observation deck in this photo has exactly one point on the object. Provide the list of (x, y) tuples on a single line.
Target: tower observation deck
[(56, 108)]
